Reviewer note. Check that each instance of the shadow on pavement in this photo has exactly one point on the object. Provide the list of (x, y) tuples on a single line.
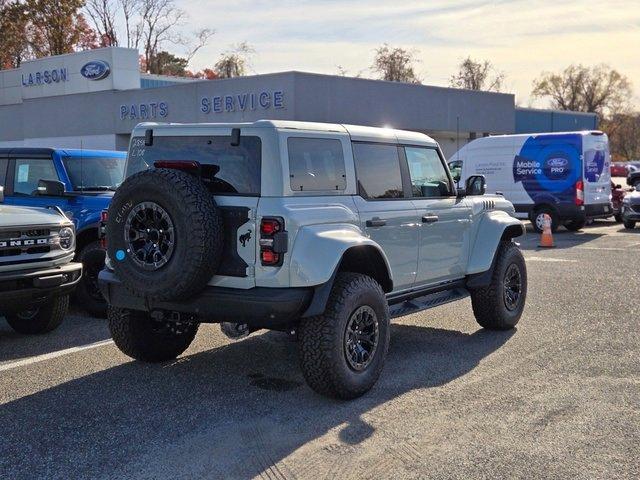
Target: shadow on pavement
[(233, 411), (562, 239), (76, 330)]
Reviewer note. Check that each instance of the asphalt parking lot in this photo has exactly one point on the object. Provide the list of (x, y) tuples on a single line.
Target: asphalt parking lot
[(557, 398)]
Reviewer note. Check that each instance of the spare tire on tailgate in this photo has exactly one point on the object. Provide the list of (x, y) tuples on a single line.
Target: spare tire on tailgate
[(164, 234)]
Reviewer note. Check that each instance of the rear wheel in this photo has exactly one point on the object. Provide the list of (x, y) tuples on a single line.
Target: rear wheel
[(629, 224), (537, 219), (499, 306), (87, 292), (575, 225), (142, 337), (41, 318), (342, 351)]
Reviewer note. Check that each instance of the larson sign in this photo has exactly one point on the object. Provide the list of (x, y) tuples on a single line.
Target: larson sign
[(45, 77)]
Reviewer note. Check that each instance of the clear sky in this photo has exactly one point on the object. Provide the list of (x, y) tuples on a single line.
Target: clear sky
[(521, 37)]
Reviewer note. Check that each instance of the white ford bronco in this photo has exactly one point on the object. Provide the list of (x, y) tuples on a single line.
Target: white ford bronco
[(37, 273), (326, 230)]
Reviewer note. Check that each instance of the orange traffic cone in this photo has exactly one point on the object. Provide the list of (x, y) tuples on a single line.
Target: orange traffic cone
[(546, 239)]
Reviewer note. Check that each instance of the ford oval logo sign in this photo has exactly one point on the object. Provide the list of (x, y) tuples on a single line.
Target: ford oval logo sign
[(96, 70), (557, 162)]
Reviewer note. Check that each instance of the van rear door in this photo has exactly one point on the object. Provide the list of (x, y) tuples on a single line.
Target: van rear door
[(596, 169)]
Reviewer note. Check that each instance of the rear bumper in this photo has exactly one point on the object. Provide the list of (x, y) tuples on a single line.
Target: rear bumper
[(572, 212), (598, 210), (28, 286), (259, 307), (631, 214)]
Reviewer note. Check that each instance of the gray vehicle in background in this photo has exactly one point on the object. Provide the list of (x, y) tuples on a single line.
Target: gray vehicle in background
[(326, 230), (36, 268)]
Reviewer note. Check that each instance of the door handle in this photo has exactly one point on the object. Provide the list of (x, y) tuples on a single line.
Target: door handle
[(376, 222), (429, 218)]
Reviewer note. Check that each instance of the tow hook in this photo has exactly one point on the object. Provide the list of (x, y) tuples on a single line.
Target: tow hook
[(235, 331)]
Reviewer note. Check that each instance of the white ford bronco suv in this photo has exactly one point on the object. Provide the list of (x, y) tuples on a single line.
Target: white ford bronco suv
[(37, 273), (326, 230)]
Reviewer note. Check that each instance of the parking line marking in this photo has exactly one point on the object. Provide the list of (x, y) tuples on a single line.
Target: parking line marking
[(49, 356), (548, 259), (612, 249)]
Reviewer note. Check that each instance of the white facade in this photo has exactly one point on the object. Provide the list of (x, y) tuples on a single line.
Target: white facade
[(63, 75)]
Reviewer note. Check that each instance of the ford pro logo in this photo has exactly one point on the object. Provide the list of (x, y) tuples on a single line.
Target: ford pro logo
[(557, 162), (96, 70)]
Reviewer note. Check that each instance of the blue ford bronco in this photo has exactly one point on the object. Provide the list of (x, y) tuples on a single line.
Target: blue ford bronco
[(81, 183)]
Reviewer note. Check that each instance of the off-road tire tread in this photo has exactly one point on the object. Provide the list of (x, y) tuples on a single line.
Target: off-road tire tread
[(132, 338), (49, 317), (315, 335), (487, 301), (205, 223)]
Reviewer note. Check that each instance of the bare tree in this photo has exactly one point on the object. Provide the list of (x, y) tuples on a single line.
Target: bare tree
[(395, 64), (598, 89), (133, 30), (158, 19), (201, 39), (343, 72), (103, 16), (474, 75), (235, 61)]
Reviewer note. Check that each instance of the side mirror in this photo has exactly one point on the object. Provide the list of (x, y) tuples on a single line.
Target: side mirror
[(50, 188), (476, 185)]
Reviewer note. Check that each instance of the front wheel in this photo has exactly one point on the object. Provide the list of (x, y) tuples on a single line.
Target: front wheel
[(629, 224), (499, 305), (41, 318), (142, 337), (342, 351), (87, 292)]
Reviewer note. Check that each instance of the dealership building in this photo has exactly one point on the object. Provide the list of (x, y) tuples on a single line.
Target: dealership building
[(93, 99)]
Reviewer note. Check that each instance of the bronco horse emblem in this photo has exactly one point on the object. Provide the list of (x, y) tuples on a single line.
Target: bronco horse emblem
[(245, 237)]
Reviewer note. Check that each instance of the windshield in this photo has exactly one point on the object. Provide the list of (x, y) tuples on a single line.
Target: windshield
[(95, 173), (234, 169)]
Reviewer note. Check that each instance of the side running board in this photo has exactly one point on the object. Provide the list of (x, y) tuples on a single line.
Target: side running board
[(427, 301)]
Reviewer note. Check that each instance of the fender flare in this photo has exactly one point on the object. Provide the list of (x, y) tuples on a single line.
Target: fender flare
[(326, 244), (494, 227)]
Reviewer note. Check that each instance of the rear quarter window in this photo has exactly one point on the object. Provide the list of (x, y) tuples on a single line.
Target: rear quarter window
[(236, 168), (316, 164)]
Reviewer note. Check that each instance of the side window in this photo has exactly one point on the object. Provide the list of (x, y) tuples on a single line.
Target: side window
[(316, 164), (378, 170), (428, 175), (4, 163), (29, 171)]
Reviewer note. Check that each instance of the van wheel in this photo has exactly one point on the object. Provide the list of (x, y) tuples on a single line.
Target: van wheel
[(342, 351), (499, 306), (629, 224), (41, 318), (575, 225), (537, 219), (87, 292), (142, 337)]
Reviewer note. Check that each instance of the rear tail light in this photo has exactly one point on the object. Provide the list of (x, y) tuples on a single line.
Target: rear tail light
[(579, 193), (102, 231), (273, 241)]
